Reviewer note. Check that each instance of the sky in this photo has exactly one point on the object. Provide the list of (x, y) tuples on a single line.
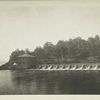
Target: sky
[(28, 24)]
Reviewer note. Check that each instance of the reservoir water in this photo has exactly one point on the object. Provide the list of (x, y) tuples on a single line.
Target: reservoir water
[(49, 82)]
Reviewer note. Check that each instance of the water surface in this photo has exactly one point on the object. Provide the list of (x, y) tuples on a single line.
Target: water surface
[(49, 82)]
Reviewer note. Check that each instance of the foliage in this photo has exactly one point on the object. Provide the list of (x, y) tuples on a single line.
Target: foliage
[(73, 50)]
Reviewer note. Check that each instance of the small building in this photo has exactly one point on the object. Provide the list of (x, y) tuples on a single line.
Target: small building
[(25, 61)]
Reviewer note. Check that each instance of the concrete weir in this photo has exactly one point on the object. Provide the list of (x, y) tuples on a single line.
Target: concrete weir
[(69, 67)]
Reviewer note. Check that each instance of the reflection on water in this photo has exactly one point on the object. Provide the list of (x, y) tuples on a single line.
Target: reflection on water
[(49, 82)]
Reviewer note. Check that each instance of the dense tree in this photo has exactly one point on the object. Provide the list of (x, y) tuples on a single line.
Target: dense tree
[(81, 48), (49, 50), (16, 53), (76, 48)]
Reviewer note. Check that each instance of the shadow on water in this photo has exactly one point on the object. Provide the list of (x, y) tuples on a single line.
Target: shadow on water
[(57, 82), (53, 82)]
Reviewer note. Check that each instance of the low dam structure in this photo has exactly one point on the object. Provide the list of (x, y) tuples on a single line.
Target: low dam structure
[(69, 67)]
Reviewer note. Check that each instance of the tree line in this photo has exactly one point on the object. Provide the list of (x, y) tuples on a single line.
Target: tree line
[(72, 50)]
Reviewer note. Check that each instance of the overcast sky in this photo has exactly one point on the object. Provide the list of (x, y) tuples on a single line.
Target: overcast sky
[(30, 24)]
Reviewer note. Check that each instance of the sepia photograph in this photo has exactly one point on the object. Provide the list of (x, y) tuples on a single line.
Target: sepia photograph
[(49, 47)]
